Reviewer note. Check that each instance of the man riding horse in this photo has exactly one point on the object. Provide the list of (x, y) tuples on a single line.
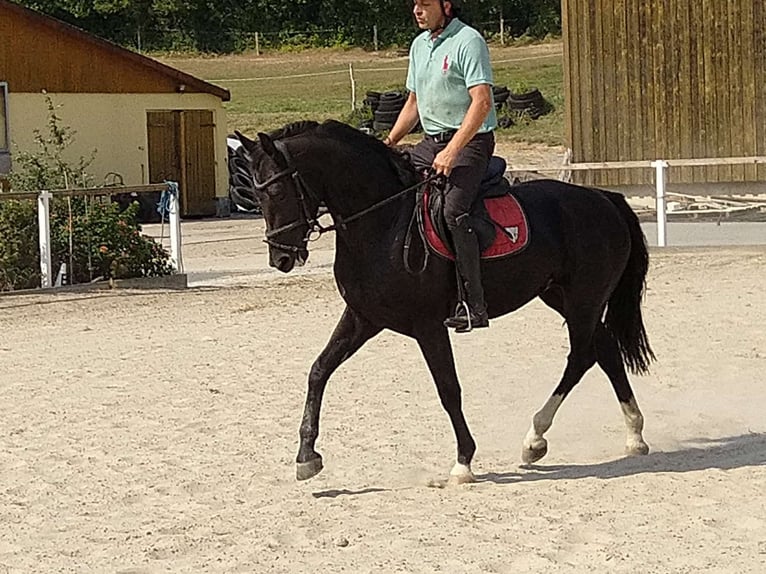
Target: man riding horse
[(450, 91)]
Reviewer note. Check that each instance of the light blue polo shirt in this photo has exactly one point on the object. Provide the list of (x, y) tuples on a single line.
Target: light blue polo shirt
[(440, 73)]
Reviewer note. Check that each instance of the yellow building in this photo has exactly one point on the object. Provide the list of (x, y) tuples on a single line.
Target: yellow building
[(146, 121)]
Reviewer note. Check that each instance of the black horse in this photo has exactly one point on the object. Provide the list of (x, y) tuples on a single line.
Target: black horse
[(586, 258)]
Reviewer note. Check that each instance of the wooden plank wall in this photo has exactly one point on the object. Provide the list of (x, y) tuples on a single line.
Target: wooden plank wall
[(38, 53), (665, 79)]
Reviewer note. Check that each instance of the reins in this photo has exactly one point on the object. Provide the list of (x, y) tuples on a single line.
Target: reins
[(343, 222)]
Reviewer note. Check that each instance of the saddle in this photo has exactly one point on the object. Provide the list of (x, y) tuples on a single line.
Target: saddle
[(496, 217)]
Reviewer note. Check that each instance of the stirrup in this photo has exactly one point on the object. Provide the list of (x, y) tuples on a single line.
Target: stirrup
[(461, 318), (464, 320)]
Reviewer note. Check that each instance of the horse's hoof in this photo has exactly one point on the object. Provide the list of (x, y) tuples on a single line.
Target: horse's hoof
[(306, 470), (534, 451), (460, 474), (639, 448)]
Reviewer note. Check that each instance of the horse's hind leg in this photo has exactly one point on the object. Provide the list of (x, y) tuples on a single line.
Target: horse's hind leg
[(582, 356), (609, 359), (350, 334)]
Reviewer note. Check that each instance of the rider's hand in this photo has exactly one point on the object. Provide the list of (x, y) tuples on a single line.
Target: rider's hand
[(445, 161)]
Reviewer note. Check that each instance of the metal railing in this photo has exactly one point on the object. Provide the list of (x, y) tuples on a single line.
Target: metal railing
[(659, 166)]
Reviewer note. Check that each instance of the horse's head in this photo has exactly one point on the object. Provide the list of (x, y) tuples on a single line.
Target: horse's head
[(289, 212)]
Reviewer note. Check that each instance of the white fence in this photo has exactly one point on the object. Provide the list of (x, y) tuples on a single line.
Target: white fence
[(43, 215), (660, 166)]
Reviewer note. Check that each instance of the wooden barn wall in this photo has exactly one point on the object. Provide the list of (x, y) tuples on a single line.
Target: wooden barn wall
[(665, 79), (35, 56)]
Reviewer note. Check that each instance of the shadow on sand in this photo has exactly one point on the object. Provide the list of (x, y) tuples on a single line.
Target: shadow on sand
[(725, 453)]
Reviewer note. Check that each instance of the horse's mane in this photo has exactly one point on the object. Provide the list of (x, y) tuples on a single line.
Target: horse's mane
[(356, 138), (294, 129)]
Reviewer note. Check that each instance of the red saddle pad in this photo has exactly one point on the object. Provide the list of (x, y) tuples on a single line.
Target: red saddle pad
[(505, 211)]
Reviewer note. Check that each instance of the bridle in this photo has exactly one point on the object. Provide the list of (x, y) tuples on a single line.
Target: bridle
[(314, 229), (302, 191)]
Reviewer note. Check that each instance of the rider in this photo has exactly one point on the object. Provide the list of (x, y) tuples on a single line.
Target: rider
[(450, 91)]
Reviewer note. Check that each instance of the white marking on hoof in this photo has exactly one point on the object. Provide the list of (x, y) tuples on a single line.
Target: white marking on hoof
[(535, 446), (637, 448), (634, 423), (534, 451), (461, 474), (306, 470)]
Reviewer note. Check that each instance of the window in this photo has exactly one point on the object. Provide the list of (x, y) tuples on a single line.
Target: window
[(5, 143)]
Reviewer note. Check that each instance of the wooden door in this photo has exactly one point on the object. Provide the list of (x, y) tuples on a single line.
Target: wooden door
[(163, 132), (182, 149), (198, 133)]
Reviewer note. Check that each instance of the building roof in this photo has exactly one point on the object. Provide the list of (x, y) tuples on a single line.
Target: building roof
[(182, 81)]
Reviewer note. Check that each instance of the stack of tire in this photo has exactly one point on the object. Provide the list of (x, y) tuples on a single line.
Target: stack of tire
[(530, 103), (385, 108), (241, 189), (500, 95)]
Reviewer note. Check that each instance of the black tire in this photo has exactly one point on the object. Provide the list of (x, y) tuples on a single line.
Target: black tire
[(386, 117), (381, 126), (392, 95), (389, 108), (528, 97)]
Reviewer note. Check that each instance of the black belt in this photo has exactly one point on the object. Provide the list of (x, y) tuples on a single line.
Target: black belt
[(442, 137)]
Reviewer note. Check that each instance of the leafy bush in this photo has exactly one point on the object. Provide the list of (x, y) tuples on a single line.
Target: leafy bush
[(92, 236), (19, 251)]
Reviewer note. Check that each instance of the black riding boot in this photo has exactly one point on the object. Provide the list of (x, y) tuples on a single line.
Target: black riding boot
[(467, 259)]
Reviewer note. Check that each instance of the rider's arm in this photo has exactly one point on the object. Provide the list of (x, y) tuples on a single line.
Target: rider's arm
[(481, 105), (407, 119)]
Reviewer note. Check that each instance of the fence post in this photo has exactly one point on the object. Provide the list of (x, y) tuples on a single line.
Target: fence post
[(44, 225), (659, 167), (353, 86), (257, 45), (375, 36), (175, 233), (502, 31)]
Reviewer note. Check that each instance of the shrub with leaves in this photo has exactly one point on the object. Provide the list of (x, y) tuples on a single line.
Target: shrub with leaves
[(19, 250), (92, 236)]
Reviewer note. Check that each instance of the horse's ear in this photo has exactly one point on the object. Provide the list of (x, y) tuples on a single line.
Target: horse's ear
[(248, 144), (267, 144)]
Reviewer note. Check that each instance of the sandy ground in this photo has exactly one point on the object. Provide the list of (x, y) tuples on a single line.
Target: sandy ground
[(155, 431)]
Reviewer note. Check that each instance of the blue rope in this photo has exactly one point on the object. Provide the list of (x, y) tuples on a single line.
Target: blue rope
[(163, 207)]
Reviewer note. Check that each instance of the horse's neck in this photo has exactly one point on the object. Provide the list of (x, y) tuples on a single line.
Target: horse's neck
[(348, 189)]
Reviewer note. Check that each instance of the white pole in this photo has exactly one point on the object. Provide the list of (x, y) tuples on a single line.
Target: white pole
[(502, 31), (353, 86), (375, 36), (44, 225), (175, 233), (659, 167), (257, 45)]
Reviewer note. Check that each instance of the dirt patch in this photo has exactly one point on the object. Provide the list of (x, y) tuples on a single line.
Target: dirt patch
[(149, 432)]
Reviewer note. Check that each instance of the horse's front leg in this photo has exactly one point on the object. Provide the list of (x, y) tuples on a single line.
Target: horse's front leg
[(350, 334), (435, 344)]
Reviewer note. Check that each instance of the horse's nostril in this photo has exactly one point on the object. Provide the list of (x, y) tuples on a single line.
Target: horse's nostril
[(283, 262)]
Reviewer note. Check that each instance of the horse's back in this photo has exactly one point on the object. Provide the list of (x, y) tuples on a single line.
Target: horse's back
[(551, 202), (584, 224)]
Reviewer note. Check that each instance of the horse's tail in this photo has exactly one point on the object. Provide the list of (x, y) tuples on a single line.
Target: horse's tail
[(623, 314)]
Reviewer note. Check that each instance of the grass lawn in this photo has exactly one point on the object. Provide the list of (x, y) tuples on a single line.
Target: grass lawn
[(270, 90)]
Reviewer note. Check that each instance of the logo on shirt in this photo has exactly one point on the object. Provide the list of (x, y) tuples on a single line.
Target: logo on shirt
[(445, 65)]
